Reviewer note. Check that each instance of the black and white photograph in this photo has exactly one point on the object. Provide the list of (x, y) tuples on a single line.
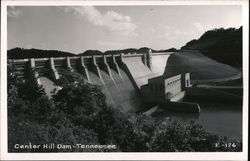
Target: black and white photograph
[(142, 77)]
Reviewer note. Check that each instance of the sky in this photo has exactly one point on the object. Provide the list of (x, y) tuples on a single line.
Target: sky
[(79, 28)]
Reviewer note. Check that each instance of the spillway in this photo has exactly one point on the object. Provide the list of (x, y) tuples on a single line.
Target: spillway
[(129, 97), (139, 71), (159, 62), (119, 92), (96, 80), (142, 72), (118, 89)]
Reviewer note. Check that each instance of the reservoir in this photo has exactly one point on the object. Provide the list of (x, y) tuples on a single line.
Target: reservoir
[(222, 119)]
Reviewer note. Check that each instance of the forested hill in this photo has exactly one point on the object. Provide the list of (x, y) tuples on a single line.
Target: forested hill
[(223, 45), (124, 51), (20, 53)]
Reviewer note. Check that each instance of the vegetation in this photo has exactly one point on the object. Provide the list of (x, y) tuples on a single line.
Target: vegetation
[(129, 50), (91, 52), (124, 51), (78, 114), (223, 45), (20, 53)]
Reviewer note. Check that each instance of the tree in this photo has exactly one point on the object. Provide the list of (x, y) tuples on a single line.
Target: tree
[(78, 113), (173, 136)]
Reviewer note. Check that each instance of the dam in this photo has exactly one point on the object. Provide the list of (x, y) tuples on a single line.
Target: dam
[(124, 77), (120, 76)]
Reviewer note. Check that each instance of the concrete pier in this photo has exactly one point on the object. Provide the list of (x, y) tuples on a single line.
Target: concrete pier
[(96, 69), (104, 65), (115, 66), (33, 73), (54, 72), (149, 59), (85, 69), (68, 64)]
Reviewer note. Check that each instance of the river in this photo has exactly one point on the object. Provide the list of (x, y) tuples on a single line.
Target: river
[(222, 119)]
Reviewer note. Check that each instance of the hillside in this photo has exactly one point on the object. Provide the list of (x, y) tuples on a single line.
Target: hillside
[(222, 45), (129, 50), (20, 53), (91, 52), (201, 68), (124, 51)]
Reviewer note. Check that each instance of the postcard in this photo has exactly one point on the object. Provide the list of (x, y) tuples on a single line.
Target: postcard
[(124, 80)]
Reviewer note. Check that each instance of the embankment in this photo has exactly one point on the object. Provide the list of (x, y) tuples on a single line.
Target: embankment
[(202, 69)]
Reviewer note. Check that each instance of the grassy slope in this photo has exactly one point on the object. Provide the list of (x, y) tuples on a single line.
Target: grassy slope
[(200, 66)]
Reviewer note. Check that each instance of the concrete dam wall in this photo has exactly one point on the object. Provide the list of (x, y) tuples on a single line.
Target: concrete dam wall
[(141, 71), (120, 76)]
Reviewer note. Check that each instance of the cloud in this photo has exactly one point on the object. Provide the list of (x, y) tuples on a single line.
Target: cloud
[(166, 27), (111, 20), (198, 26), (177, 33), (110, 44), (13, 11), (173, 33)]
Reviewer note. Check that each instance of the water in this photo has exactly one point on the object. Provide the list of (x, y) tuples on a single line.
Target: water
[(120, 92), (222, 119), (48, 85), (97, 81)]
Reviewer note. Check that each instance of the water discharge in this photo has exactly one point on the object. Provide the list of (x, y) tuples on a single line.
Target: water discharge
[(48, 85), (97, 81), (119, 91)]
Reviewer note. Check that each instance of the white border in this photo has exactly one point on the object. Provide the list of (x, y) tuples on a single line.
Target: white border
[(4, 155)]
